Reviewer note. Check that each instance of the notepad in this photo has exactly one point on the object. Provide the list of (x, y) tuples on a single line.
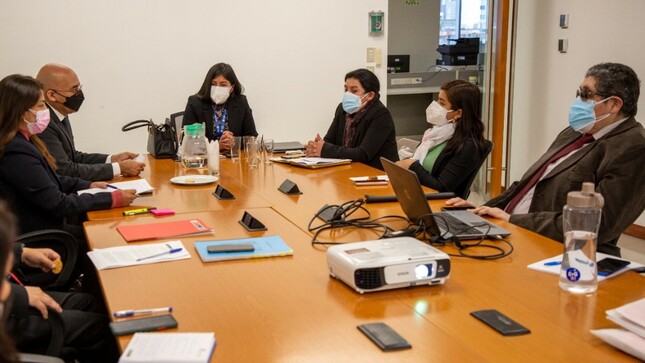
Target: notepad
[(140, 185), (169, 347), (121, 256), (186, 227), (370, 180), (316, 163), (269, 246), (552, 266)]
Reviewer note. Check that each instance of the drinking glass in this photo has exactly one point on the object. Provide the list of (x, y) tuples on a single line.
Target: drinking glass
[(236, 147), (245, 141), (267, 150), (254, 152)]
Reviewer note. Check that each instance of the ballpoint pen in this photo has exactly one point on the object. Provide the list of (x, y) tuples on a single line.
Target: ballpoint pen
[(112, 186), (552, 263), (127, 313), (172, 250)]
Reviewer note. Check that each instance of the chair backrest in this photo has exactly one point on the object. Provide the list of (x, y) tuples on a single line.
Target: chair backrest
[(178, 120), (60, 241), (471, 177)]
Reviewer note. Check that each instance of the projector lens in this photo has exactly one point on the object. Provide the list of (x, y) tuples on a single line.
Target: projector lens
[(421, 271)]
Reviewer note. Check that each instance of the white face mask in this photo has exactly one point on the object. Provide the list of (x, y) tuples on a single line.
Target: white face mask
[(220, 94), (436, 114)]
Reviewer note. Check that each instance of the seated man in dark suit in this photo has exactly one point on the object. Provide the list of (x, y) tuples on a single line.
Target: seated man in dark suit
[(603, 144), (86, 327), (64, 96)]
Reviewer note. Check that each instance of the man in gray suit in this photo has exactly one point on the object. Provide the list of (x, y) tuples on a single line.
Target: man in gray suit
[(64, 96), (603, 144)]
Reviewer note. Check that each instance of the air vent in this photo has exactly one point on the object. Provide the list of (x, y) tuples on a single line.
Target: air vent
[(369, 278)]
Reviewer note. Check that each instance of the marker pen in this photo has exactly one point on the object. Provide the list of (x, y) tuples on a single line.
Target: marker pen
[(132, 212), (127, 313)]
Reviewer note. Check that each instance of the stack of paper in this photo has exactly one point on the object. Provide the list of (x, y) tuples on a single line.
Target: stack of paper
[(186, 227), (552, 265), (169, 347), (140, 185), (632, 318), (104, 258), (315, 163), (370, 180)]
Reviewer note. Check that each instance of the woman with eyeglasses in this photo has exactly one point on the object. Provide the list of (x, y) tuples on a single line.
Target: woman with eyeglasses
[(221, 106), (39, 197), (362, 129), (452, 150)]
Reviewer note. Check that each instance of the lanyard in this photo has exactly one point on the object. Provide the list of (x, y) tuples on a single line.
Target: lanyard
[(219, 122)]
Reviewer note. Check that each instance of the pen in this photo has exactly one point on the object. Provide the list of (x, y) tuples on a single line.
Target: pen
[(112, 186), (172, 250), (552, 263), (132, 212), (126, 313)]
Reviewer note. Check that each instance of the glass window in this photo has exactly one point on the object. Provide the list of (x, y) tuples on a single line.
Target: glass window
[(463, 19)]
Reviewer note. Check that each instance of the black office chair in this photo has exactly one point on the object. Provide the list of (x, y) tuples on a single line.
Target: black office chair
[(178, 119), (465, 192), (65, 245), (55, 348)]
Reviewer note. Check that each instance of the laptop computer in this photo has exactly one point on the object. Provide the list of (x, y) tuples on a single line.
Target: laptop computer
[(279, 147), (460, 223)]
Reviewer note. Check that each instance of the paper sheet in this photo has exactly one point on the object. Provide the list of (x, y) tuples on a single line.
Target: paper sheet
[(106, 258), (140, 185), (552, 265), (169, 347)]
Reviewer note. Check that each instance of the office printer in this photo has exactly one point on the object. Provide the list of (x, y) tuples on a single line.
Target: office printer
[(463, 52)]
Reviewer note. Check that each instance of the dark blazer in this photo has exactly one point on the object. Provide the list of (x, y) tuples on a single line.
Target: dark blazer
[(70, 161), (240, 117), (452, 169), (39, 197), (374, 137), (614, 163)]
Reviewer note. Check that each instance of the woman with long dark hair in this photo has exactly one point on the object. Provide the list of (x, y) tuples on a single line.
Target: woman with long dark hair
[(221, 106), (39, 197), (453, 148)]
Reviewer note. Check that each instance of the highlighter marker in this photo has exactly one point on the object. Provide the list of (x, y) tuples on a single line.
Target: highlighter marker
[(132, 212)]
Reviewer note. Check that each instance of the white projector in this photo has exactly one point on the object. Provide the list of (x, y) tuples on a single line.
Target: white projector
[(388, 264)]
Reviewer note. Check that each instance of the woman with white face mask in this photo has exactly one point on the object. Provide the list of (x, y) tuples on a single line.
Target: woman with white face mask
[(452, 149), (221, 107), (362, 129)]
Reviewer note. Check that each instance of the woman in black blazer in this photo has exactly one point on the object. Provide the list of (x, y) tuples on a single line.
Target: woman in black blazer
[(362, 129), (453, 148), (39, 197), (221, 106)]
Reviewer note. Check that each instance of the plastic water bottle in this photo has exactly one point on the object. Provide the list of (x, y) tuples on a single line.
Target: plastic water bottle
[(581, 220)]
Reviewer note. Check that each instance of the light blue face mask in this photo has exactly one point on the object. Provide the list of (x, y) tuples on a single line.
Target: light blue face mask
[(582, 115), (352, 102)]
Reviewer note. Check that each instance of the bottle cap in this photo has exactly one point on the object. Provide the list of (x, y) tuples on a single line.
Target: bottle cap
[(586, 198)]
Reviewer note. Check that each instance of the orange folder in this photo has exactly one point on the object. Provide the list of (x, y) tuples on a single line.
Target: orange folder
[(187, 227)]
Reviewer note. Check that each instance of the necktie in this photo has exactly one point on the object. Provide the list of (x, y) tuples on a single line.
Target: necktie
[(577, 144), (67, 126)]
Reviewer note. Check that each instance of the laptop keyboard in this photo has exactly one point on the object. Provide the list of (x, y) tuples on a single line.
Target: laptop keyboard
[(447, 222)]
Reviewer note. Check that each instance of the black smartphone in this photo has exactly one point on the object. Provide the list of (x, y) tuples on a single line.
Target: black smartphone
[(500, 322), (463, 207), (151, 323), (608, 266), (231, 247), (384, 336)]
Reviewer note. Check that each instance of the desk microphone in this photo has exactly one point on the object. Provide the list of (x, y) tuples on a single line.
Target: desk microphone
[(392, 198)]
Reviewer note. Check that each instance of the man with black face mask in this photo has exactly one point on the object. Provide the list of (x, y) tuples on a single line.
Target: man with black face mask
[(64, 96)]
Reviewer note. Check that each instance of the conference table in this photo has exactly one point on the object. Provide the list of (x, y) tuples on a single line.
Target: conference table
[(288, 309)]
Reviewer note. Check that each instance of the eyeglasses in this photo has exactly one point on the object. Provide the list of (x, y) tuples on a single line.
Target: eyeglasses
[(74, 89), (586, 94)]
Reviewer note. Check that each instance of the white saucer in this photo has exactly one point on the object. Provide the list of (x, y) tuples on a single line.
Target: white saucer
[(194, 179)]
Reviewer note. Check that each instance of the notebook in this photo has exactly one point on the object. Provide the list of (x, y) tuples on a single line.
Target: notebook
[(169, 347), (413, 202), (268, 246), (280, 147), (187, 227)]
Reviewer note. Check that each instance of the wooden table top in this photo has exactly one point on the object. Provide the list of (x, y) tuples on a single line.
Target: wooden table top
[(288, 309)]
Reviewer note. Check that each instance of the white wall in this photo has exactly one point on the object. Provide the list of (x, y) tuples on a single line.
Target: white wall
[(143, 58), (546, 80)]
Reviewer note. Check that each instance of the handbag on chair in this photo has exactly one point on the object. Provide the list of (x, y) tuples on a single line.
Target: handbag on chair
[(162, 138)]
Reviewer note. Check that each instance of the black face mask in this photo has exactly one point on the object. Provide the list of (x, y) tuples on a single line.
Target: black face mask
[(74, 101)]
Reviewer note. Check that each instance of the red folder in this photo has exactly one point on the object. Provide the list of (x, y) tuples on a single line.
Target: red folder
[(187, 227)]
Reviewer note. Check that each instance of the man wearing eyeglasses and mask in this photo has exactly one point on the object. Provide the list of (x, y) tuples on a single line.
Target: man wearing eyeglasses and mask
[(64, 96), (603, 144)]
